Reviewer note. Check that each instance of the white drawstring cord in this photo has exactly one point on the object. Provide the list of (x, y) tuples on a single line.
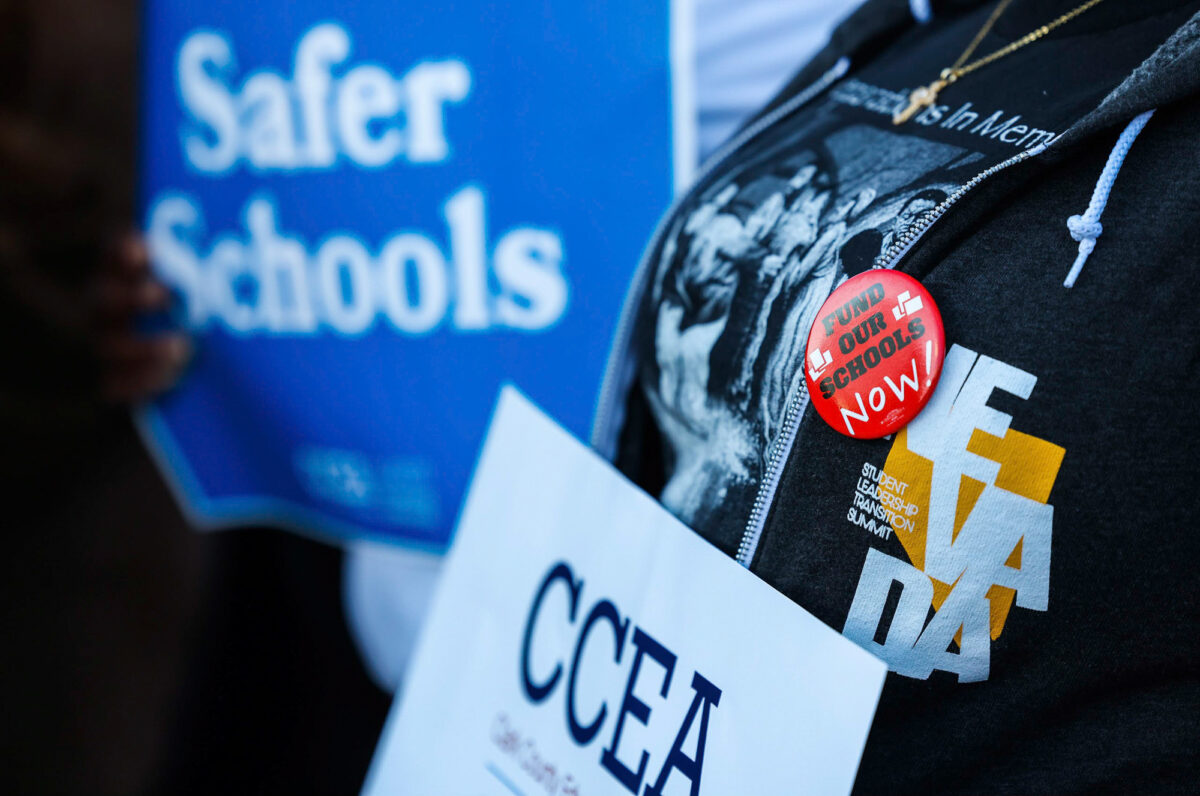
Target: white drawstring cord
[(1086, 228), (920, 10)]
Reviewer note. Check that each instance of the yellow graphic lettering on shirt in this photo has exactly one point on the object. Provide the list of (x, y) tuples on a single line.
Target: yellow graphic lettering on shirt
[(1028, 467), (977, 526)]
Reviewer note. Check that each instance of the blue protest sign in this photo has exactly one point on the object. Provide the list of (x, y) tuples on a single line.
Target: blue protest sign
[(376, 213)]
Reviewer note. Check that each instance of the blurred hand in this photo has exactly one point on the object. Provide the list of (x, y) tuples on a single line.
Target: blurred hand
[(134, 366)]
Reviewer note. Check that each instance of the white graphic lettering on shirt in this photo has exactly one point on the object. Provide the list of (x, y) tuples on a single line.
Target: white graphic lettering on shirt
[(995, 126), (967, 497)]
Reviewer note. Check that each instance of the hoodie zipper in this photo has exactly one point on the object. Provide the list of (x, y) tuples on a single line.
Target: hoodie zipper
[(795, 410), (602, 426)]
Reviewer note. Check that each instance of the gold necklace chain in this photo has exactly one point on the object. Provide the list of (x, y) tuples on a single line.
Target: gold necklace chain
[(924, 96)]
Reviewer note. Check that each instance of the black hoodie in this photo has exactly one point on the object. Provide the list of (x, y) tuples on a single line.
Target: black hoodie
[(1056, 448)]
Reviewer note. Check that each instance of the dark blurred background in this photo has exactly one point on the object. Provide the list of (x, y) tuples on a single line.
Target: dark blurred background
[(138, 656)]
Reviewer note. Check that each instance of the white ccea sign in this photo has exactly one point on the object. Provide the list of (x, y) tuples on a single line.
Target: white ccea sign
[(583, 641)]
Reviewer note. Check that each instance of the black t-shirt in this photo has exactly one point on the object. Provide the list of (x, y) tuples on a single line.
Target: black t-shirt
[(1060, 421), (746, 262), (750, 258)]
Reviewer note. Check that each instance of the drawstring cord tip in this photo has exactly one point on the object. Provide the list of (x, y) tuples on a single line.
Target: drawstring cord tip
[(1086, 227)]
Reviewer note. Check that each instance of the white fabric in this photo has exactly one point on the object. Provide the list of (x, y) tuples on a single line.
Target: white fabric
[(920, 10), (745, 52), (386, 592)]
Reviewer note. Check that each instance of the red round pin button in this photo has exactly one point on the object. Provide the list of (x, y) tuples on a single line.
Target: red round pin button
[(874, 354)]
